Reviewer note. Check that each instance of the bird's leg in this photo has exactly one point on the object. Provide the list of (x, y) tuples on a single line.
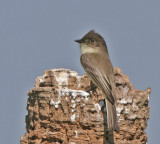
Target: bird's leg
[(91, 89)]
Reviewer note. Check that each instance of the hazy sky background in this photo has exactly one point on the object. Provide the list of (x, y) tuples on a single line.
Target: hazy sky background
[(36, 35)]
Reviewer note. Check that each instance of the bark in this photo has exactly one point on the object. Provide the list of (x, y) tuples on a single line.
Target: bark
[(60, 111)]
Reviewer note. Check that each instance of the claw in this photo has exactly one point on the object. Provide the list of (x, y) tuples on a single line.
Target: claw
[(90, 90)]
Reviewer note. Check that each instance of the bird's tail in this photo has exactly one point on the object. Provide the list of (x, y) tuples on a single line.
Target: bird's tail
[(112, 120)]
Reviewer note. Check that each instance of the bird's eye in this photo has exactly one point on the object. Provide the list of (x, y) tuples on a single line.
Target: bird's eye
[(92, 40)]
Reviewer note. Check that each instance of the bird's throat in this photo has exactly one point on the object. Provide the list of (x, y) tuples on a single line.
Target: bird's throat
[(87, 49)]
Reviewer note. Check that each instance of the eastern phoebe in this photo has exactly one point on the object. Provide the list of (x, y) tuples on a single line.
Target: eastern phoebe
[(95, 61)]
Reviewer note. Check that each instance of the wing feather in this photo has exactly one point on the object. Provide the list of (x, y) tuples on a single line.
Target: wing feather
[(98, 75)]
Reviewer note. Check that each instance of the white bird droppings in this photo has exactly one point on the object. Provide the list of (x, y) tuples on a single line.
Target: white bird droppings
[(73, 117), (76, 134)]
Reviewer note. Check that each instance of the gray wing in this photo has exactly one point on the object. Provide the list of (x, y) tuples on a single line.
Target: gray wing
[(98, 74)]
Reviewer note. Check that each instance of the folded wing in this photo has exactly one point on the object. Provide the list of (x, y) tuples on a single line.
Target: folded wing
[(97, 74)]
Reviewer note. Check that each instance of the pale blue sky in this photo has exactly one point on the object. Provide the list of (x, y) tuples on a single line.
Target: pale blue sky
[(36, 35)]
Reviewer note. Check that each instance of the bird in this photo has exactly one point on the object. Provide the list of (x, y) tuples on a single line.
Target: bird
[(96, 63)]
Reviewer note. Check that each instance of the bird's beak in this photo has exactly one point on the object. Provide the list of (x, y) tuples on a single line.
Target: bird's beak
[(79, 41)]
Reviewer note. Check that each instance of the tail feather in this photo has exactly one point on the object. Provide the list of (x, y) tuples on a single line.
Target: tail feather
[(112, 120)]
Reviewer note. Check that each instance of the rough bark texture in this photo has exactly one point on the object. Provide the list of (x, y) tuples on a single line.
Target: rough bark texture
[(60, 111)]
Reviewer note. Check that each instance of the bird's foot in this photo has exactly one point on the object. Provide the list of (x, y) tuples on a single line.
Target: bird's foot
[(90, 90)]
